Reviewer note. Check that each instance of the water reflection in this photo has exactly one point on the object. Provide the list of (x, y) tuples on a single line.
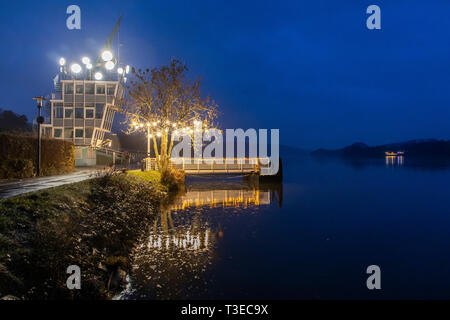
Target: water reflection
[(394, 161), (222, 198), (174, 259), (414, 163)]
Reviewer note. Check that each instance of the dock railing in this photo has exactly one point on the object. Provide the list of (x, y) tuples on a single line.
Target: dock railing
[(213, 165)]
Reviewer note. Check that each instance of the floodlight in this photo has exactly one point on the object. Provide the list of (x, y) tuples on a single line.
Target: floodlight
[(109, 65), (98, 76), (107, 55), (75, 68)]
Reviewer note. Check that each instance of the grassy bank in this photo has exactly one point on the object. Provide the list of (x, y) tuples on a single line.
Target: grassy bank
[(93, 224)]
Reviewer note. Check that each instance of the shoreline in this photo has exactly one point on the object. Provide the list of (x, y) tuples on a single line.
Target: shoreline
[(92, 224)]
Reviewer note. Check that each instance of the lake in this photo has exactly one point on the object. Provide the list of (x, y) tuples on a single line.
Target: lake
[(311, 237)]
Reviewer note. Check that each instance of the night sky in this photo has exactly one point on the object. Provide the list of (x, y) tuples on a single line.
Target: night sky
[(310, 68)]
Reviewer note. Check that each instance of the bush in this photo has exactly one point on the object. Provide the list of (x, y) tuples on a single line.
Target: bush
[(16, 168), (173, 179), (18, 155)]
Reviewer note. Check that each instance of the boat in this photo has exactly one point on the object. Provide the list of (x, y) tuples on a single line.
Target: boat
[(394, 154)]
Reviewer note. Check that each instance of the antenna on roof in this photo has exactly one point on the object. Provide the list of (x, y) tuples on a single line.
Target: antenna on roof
[(109, 41)]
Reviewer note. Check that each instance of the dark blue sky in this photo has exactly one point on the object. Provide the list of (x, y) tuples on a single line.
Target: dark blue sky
[(310, 68)]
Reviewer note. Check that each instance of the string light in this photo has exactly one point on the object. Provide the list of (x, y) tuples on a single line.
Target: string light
[(159, 134)]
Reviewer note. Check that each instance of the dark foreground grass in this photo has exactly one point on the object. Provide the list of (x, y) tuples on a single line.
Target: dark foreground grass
[(93, 224)]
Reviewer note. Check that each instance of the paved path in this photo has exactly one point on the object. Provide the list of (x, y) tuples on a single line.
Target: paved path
[(14, 188)]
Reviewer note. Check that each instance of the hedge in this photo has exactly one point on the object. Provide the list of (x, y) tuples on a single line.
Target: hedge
[(18, 156)]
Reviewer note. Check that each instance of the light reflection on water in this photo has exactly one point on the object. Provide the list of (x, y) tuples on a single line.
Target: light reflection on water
[(394, 161), (176, 257), (337, 217)]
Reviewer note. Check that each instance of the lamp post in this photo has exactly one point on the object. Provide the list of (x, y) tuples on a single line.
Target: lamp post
[(39, 120)]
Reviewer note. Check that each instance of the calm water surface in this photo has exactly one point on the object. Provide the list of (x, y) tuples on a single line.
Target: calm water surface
[(311, 237)]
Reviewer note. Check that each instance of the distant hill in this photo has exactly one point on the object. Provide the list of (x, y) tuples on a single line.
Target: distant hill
[(413, 148), (291, 151)]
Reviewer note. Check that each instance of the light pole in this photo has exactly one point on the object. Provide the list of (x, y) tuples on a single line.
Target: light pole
[(39, 120)]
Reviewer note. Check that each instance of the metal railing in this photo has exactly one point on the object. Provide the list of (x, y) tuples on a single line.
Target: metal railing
[(213, 165)]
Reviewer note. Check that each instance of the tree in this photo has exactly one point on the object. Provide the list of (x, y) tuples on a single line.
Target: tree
[(10, 121), (164, 104)]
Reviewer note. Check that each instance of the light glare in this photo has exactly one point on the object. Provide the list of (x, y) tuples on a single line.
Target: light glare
[(75, 68), (98, 76), (109, 65), (107, 55)]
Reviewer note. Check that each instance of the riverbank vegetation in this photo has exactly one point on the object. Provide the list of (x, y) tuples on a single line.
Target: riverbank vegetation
[(93, 224)]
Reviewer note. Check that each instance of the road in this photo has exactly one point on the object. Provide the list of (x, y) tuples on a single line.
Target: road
[(14, 188)]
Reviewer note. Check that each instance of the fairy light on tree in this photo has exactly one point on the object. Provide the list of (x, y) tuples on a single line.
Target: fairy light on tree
[(164, 104)]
